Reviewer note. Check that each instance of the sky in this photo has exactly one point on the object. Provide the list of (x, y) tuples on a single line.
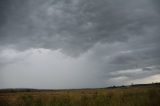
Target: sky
[(59, 44)]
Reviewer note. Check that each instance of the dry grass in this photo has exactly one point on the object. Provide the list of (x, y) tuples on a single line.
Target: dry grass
[(132, 96)]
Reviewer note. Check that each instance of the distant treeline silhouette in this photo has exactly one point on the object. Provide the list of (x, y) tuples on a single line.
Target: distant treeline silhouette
[(14, 90)]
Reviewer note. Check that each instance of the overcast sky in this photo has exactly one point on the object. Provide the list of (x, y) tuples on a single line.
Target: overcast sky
[(78, 43)]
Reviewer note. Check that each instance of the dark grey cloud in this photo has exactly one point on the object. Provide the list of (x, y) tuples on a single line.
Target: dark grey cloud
[(157, 4), (3, 9), (75, 25), (137, 58)]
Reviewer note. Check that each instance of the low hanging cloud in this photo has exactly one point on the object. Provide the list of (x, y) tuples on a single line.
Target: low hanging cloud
[(90, 43)]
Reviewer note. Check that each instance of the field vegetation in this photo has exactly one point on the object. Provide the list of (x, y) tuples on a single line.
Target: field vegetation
[(139, 95)]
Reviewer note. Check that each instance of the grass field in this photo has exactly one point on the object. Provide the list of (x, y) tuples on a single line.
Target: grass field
[(120, 96)]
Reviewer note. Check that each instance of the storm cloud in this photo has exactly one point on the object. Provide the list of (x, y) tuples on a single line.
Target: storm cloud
[(89, 43)]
